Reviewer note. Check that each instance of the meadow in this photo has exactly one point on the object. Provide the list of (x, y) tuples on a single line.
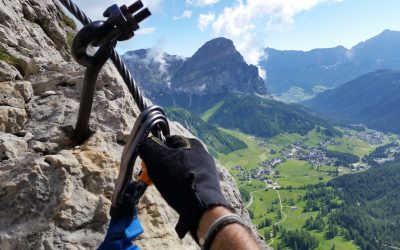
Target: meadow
[(284, 206)]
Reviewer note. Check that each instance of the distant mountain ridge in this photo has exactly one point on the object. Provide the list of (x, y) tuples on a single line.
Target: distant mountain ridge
[(215, 71), (217, 74), (320, 69), (372, 99)]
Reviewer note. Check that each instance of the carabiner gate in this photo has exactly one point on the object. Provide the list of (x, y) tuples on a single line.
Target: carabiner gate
[(152, 119)]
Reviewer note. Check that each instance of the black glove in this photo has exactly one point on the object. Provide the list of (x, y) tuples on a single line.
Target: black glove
[(186, 176)]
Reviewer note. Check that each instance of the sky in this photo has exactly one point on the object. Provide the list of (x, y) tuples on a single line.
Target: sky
[(180, 27)]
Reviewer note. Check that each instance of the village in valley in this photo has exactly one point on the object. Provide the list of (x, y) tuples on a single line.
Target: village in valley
[(317, 155)]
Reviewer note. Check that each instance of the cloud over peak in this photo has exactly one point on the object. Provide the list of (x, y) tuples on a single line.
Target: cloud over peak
[(240, 21), (205, 20)]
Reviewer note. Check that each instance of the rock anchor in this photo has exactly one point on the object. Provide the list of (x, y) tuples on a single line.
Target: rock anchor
[(55, 194)]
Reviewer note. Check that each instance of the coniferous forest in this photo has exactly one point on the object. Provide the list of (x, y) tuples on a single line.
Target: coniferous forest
[(362, 207), (370, 212)]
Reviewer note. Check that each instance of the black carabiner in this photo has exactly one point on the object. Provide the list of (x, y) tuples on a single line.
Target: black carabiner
[(151, 119)]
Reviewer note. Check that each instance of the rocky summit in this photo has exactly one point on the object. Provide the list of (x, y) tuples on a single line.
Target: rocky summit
[(217, 67), (55, 194), (215, 71)]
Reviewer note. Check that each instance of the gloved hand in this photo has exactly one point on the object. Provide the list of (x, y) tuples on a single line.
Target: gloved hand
[(186, 176)]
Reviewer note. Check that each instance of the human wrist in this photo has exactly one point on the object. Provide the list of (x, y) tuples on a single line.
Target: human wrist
[(209, 217)]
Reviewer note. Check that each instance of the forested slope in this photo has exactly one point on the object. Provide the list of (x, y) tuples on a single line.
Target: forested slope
[(265, 117), (371, 210), (216, 140)]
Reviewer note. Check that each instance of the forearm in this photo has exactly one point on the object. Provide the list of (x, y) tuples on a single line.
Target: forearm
[(233, 236)]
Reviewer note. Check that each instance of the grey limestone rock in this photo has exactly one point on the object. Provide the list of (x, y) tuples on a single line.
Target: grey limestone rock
[(55, 194)]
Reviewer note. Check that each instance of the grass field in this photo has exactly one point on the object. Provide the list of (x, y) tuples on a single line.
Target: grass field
[(248, 158), (313, 138), (259, 205), (252, 185), (352, 146), (206, 115), (296, 173), (295, 168)]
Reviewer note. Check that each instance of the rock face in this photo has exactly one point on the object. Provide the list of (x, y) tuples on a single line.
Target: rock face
[(217, 67), (55, 194), (214, 72), (13, 96)]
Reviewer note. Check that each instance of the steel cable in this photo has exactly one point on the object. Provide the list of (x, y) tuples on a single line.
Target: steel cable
[(73, 8), (114, 56)]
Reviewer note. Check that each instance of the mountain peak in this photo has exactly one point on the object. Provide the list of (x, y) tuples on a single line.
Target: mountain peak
[(220, 42), (295, 75), (389, 31), (197, 83), (217, 68), (219, 49), (382, 39)]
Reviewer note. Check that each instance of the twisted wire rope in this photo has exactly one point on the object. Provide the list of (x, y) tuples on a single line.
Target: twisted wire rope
[(113, 54)]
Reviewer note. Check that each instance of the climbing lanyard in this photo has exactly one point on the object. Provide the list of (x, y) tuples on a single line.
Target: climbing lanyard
[(120, 25), (123, 229)]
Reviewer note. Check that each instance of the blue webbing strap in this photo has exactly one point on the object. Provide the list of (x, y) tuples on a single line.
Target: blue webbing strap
[(121, 233)]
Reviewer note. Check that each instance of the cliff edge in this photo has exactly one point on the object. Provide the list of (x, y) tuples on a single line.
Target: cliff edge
[(55, 194)]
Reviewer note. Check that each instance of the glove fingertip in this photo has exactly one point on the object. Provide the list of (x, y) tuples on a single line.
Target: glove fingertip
[(178, 142)]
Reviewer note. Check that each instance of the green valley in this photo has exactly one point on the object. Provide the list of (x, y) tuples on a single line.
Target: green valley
[(281, 195), (286, 177)]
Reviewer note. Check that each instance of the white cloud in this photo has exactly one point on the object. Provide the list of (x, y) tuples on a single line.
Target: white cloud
[(205, 20), (145, 31), (156, 57), (202, 2), (153, 5), (185, 14), (240, 21)]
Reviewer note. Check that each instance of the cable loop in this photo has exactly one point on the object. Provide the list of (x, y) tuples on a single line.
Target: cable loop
[(121, 24)]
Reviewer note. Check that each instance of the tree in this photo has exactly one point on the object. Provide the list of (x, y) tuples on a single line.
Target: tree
[(251, 214), (298, 239), (279, 215), (332, 232), (281, 246), (265, 223), (267, 235)]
